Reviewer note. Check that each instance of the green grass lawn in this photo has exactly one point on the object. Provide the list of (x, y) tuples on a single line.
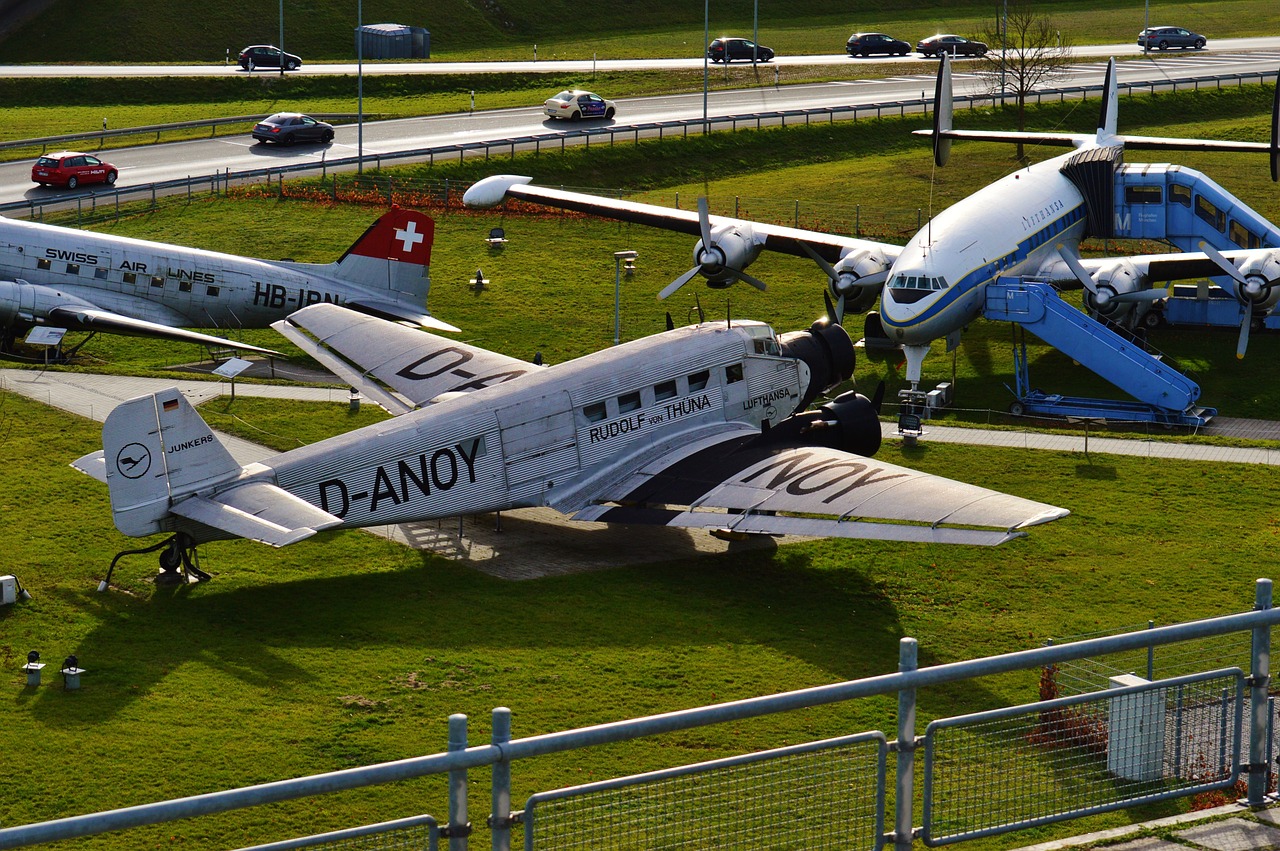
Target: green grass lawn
[(347, 649)]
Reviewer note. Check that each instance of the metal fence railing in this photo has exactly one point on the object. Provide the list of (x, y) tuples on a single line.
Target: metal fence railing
[(983, 774), (510, 146)]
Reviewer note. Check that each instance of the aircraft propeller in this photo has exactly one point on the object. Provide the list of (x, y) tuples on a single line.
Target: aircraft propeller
[(713, 260), (837, 312), (1105, 295), (1248, 290)]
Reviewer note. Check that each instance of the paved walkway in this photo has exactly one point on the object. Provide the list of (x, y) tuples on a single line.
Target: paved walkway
[(1228, 828), (93, 396)]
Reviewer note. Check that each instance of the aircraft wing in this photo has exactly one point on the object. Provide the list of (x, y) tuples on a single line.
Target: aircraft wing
[(1061, 140), (730, 479), (259, 511), (1177, 266), (82, 318), (414, 363), (490, 192)]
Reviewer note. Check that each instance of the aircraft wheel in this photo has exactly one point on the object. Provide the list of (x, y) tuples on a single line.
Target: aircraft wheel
[(1017, 409), (1151, 319), (111, 178), (170, 559), (72, 182)]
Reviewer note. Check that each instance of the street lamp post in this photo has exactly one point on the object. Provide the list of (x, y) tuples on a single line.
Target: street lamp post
[(706, 41), (618, 257), (281, 38), (359, 86)]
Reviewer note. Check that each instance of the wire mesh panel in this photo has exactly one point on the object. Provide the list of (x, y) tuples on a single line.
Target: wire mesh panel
[(827, 794), (1008, 769)]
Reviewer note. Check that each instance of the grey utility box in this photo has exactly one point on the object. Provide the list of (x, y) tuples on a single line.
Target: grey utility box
[(393, 41)]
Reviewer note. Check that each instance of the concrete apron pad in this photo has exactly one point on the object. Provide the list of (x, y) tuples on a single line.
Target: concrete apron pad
[(1234, 834)]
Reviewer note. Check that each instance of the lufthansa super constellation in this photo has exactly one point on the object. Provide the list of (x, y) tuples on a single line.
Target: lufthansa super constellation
[(707, 426), (86, 281), (1028, 223)]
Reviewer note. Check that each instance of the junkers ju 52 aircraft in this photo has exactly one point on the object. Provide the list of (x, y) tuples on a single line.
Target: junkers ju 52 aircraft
[(86, 281), (1028, 223), (704, 427)]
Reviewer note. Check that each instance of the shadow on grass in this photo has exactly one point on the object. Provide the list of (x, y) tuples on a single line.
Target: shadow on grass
[(833, 619)]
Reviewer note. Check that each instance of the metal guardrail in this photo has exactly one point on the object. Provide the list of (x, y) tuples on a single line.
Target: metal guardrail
[(45, 142), (503, 752), (628, 132)]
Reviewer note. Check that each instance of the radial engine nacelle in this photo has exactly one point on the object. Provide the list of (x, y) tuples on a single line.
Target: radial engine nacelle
[(732, 248), (24, 304), (1116, 279), (860, 275), (1261, 272), (850, 422)]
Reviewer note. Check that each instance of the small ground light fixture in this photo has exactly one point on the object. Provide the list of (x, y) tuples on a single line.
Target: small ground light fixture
[(71, 672), (33, 668)]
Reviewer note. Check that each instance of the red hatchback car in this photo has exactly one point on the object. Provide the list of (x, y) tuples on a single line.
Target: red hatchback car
[(71, 168)]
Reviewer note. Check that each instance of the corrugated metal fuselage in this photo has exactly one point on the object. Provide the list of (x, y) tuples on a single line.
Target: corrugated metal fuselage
[(513, 444)]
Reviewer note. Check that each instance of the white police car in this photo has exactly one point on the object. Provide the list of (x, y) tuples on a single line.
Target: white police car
[(575, 104)]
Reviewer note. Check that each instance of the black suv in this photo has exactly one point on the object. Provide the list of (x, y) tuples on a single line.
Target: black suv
[(267, 56), (729, 49)]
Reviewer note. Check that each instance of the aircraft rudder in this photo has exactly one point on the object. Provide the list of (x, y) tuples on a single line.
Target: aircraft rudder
[(155, 448), (943, 112), (393, 254), (1108, 117)]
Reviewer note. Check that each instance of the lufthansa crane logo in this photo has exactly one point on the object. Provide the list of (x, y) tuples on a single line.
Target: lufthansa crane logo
[(133, 461)]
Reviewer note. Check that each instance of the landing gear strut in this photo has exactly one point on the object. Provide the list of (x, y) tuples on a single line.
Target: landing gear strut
[(178, 562)]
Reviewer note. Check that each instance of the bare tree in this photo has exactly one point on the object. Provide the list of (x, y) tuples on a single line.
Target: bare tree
[(1026, 53)]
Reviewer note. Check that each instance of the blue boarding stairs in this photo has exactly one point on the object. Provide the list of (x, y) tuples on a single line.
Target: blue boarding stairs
[(1160, 393)]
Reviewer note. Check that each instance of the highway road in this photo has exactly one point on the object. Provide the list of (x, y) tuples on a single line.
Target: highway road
[(546, 66), (154, 163)]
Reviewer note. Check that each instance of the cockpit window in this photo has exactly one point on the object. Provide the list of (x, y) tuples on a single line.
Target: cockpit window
[(917, 282), (763, 339)]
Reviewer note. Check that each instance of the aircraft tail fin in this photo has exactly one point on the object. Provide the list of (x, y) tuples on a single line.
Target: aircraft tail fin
[(394, 255), (943, 109), (1108, 116), (157, 448)]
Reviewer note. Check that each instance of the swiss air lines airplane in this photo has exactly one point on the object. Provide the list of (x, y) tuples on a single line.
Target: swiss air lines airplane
[(707, 426), (1028, 223), (85, 281)]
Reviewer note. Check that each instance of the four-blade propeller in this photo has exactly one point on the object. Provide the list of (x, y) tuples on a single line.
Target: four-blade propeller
[(711, 261), (1246, 291)]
